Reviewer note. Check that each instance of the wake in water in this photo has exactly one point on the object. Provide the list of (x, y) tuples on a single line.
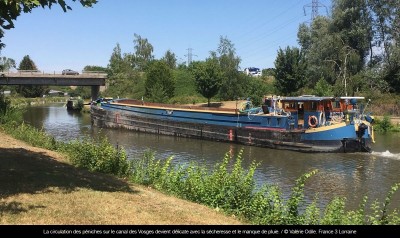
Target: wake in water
[(386, 154)]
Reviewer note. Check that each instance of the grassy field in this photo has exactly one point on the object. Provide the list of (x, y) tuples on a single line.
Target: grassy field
[(39, 187)]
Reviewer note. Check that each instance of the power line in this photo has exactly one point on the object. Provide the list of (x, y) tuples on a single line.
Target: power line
[(315, 5), (263, 37), (189, 56), (265, 21)]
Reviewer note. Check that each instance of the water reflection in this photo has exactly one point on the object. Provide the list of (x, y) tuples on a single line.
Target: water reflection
[(349, 175)]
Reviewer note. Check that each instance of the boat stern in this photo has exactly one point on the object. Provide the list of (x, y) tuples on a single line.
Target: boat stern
[(344, 137)]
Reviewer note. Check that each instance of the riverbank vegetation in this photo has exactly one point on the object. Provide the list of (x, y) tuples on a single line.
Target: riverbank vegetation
[(227, 187), (40, 187), (385, 125), (22, 101)]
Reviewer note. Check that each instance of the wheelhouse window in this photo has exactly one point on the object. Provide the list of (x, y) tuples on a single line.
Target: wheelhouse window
[(314, 106), (336, 105)]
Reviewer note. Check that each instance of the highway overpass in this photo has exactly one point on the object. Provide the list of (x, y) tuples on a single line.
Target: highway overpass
[(93, 79)]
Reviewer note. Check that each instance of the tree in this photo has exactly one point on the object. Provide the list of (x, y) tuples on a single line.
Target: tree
[(143, 53), (81, 91), (290, 69), (185, 84), (10, 10), (116, 63), (304, 37), (123, 80), (6, 64), (386, 17), (95, 68), (391, 69), (323, 88), (346, 65), (231, 87), (318, 44), (328, 39), (30, 90), (160, 84), (352, 21), (386, 38), (256, 88), (268, 72), (170, 59), (27, 64), (208, 77), (360, 34)]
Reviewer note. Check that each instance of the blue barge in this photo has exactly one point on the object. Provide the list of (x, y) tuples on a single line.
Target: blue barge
[(305, 123)]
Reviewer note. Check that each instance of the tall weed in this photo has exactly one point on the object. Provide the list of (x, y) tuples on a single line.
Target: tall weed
[(99, 156), (231, 188), (8, 112), (31, 135)]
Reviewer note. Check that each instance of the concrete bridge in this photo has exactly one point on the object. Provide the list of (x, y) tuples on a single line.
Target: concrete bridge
[(33, 77)]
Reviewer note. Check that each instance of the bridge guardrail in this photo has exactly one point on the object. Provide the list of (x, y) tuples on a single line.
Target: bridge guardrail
[(29, 72), (20, 72), (38, 73)]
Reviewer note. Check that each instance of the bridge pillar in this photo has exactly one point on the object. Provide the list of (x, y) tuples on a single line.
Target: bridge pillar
[(95, 92)]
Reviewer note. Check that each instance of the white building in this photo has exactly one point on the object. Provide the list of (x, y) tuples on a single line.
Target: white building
[(253, 71)]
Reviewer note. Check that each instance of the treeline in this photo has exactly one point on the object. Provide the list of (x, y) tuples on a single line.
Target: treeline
[(353, 51), (138, 75)]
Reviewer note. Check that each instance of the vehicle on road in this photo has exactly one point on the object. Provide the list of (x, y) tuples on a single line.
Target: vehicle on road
[(69, 72)]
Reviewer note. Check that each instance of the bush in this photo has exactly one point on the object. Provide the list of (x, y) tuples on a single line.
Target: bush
[(99, 156), (9, 113), (383, 125)]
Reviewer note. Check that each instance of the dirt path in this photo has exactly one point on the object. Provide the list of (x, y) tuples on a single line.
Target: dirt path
[(39, 187)]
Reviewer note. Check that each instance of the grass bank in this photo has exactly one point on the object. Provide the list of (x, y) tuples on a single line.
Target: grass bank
[(40, 186), (228, 188)]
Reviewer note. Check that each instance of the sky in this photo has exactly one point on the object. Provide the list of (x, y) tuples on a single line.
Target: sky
[(55, 40)]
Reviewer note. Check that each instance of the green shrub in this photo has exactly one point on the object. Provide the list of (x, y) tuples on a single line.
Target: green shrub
[(383, 125), (96, 156), (9, 113)]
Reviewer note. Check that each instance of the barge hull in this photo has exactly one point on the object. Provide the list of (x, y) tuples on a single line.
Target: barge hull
[(276, 139)]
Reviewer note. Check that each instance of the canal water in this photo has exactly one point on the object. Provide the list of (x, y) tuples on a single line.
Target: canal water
[(350, 175)]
